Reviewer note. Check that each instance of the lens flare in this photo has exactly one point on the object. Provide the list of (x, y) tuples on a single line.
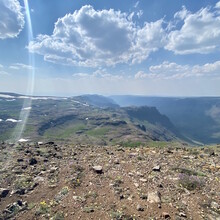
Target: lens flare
[(26, 108)]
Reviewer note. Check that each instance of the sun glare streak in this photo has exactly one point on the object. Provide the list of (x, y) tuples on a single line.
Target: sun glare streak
[(25, 111)]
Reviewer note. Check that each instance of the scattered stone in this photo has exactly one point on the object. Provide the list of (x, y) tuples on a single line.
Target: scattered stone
[(133, 154), (127, 179), (32, 161), (169, 151), (140, 208), (214, 205), (19, 192), (98, 169), (157, 168), (136, 185), (182, 214), (53, 169), (165, 215), (143, 180), (3, 192), (154, 197), (39, 179), (50, 143), (14, 208), (143, 196), (140, 174), (160, 185), (88, 209)]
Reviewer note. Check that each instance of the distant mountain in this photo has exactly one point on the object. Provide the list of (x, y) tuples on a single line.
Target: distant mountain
[(98, 101), (8, 94), (88, 119), (153, 116), (196, 118)]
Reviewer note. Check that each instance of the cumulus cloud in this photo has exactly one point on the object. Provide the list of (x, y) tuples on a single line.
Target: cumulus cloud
[(140, 13), (98, 74), (168, 70), (19, 66), (217, 5), (11, 19), (95, 38), (182, 14), (141, 75), (200, 32)]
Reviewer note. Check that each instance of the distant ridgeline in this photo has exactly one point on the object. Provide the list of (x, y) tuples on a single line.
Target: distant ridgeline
[(100, 120), (196, 118)]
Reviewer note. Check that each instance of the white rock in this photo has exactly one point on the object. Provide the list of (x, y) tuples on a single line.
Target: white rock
[(154, 197)]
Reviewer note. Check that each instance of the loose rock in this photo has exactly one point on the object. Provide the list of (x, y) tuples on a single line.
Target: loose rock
[(3, 192), (154, 197), (98, 169)]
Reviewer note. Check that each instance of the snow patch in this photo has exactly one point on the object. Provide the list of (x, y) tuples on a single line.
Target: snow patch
[(6, 96), (85, 105), (13, 120), (27, 108), (23, 140)]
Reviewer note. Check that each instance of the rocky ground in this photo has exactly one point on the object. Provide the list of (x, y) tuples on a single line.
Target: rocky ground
[(64, 181)]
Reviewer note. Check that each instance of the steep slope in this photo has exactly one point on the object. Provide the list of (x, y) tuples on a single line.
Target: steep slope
[(152, 115), (196, 118)]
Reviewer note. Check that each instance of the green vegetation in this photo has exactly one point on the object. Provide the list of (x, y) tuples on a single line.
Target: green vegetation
[(190, 182), (98, 131), (62, 132), (43, 208), (131, 144), (58, 216), (189, 172), (161, 144)]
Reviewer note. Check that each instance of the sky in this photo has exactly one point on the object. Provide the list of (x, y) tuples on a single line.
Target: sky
[(110, 47)]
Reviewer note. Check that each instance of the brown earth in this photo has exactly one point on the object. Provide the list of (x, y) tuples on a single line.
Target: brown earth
[(64, 184)]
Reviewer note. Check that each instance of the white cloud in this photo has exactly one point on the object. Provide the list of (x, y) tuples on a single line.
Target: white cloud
[(98, 74), (81, 75), (217, 5), (140, 13), (2, 70), (19, 66), (11, 18), (141, 75), (136, 4), (95, 38), (168, 70), (182, 14), (200, 32)]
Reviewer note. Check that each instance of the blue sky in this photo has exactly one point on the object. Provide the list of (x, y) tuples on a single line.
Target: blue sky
[(163, 47)]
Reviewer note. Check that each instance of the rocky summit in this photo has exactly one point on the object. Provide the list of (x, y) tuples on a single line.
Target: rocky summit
[(69, 181)]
